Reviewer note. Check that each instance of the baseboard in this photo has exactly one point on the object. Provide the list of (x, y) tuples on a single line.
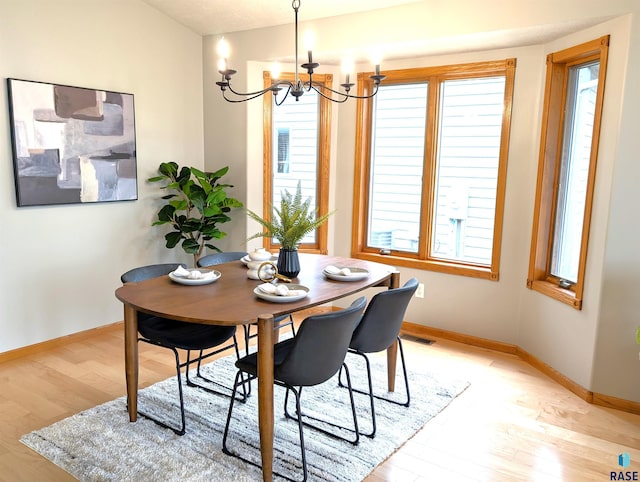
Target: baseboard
[(422, 331), (56, 342), (413, 329)]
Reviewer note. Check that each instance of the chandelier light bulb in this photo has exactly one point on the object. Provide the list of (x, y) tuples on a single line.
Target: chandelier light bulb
[(309, 40), (223, 48), (275, 70), (376, 58), (347, 65), (347, 68)]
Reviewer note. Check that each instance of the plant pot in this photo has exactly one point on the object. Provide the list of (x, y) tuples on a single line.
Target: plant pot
[(288, 263)]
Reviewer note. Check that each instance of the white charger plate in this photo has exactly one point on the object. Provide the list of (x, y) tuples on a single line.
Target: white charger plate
[(246, 259), (282, 299), (355, 275), (194, 282)]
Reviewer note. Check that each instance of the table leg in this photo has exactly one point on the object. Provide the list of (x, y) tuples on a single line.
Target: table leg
[(392, 356), (131, 359), (392, 351), (265, 393)]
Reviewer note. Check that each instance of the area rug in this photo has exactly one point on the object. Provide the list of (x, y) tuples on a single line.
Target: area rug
[(100, 444)]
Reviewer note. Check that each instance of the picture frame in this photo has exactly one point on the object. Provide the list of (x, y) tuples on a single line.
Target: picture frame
[(71, 144)]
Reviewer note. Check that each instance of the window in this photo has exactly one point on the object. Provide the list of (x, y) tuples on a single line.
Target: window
[(566, 170), (296, 149), (431, 157), (283, 150)]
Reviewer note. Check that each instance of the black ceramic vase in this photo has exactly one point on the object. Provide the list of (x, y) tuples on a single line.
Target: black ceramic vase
[(288, 263)]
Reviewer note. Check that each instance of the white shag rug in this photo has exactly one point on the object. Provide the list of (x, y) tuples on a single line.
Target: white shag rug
[(100, 444)]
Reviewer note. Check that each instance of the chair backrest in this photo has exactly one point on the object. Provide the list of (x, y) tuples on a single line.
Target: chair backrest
[(382, 320), (320, 346), (219, 258), (151, 271)]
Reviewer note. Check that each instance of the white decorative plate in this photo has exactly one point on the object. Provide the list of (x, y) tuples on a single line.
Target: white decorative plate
[(209, 278), (246, 259), (282, 299), (355, 275)]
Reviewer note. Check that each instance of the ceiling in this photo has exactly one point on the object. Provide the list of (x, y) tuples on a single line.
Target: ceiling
[(210, 17)]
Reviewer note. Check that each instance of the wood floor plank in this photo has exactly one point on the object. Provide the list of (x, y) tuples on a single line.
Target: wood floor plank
[(512, 424)]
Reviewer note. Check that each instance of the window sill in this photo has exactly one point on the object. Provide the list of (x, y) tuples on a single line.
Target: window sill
[(459, 269), (554, 291)]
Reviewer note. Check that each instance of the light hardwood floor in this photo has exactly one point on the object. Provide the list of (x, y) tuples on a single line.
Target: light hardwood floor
[(512, 424)]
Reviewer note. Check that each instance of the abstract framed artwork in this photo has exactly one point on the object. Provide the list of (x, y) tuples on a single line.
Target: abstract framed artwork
[(71, 144)]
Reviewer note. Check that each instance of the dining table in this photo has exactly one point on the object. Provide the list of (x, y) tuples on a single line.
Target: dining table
[(231, 300)]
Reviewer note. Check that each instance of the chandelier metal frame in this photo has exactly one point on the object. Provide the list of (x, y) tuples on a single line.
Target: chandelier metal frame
[(296, 88)]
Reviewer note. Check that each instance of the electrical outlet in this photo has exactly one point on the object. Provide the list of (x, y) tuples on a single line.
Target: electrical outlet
[(420, 291)]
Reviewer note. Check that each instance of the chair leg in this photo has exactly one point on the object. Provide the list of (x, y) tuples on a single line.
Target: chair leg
[(404, 372), (300, 414), (370, 392), (225, 449), (182, 429), (300, 430), (226, 427), (191, 383), (248, 335), (293, 327), (353, 404)]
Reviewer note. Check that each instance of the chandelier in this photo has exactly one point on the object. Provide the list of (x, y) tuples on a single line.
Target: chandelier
[(296, 88)]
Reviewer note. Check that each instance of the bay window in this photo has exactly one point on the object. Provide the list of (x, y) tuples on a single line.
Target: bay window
[(574, 94), (431, 157)]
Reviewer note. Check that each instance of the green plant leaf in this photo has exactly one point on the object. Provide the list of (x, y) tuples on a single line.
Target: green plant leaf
[(291, 221), (166, 213), (191, 225), (185, 174), (168, 169), (214, 176), (195, 205), (173, 238), (190, 246), (179, 205)]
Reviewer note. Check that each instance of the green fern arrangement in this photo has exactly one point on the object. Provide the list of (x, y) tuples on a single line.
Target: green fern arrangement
[(291, 222)]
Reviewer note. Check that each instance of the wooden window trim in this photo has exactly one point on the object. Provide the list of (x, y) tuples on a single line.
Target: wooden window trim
[(322, 186), (433, 75), (539, 277)]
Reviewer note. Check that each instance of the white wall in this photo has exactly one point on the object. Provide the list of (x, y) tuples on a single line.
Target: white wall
[(616, 353), (593, 347), (545, 326), (61, 264)]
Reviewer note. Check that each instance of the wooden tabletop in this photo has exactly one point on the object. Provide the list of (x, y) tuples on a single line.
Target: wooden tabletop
[(230, 300)]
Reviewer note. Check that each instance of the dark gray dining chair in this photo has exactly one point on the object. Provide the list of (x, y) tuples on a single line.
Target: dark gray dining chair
[(174, 335), (377, 331), (279, 322), (311, 358)]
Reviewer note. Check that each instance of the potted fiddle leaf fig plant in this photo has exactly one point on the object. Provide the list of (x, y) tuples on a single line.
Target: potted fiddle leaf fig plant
[(196, 204), (289, 224)]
